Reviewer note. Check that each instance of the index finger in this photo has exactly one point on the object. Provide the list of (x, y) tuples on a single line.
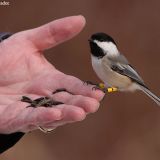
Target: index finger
[(77, 87)]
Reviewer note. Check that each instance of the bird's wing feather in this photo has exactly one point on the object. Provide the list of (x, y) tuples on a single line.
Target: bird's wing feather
[(121, 65)]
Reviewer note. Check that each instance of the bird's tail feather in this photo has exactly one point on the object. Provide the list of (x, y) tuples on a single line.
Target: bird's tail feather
[(151, 95)]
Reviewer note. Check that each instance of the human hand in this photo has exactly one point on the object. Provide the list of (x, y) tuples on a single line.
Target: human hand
[(25, 71)]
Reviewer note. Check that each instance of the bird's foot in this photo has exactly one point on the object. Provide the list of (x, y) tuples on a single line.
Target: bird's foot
[(101, 86), (112, 89), (90, 83)]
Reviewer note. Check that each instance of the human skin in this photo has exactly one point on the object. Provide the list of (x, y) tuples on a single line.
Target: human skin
[(24, 71)]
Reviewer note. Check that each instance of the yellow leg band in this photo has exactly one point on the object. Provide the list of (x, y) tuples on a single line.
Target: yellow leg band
[(112, 89), (101, 85)]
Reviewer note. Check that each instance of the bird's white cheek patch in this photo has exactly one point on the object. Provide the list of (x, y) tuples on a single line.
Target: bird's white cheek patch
[(108, 47)]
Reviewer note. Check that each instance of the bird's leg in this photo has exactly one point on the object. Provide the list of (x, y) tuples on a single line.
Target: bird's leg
[(112, 89), (101, 86)]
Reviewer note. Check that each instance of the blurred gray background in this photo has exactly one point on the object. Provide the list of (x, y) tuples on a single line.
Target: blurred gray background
[(127, 125)]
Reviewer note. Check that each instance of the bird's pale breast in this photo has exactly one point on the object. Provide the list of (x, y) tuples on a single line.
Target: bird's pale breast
[(108, 76)]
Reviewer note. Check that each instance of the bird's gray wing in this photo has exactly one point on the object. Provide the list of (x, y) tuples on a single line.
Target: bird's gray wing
[(119, 59), (122, 66)]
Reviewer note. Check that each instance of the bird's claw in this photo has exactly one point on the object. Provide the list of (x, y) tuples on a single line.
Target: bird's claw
[(89, 83), (100, 86)]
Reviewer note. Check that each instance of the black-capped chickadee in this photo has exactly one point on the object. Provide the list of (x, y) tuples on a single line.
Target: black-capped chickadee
[(113, 68)]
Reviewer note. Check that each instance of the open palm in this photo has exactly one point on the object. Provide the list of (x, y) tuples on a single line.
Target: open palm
[(24, 71)]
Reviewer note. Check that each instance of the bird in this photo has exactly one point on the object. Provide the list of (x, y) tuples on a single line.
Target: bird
[(113, 68)]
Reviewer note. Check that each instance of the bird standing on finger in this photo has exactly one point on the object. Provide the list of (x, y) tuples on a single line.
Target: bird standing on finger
[(113, 68)]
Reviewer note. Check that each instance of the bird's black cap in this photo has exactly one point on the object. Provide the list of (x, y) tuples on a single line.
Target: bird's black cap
[(102, 37)]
